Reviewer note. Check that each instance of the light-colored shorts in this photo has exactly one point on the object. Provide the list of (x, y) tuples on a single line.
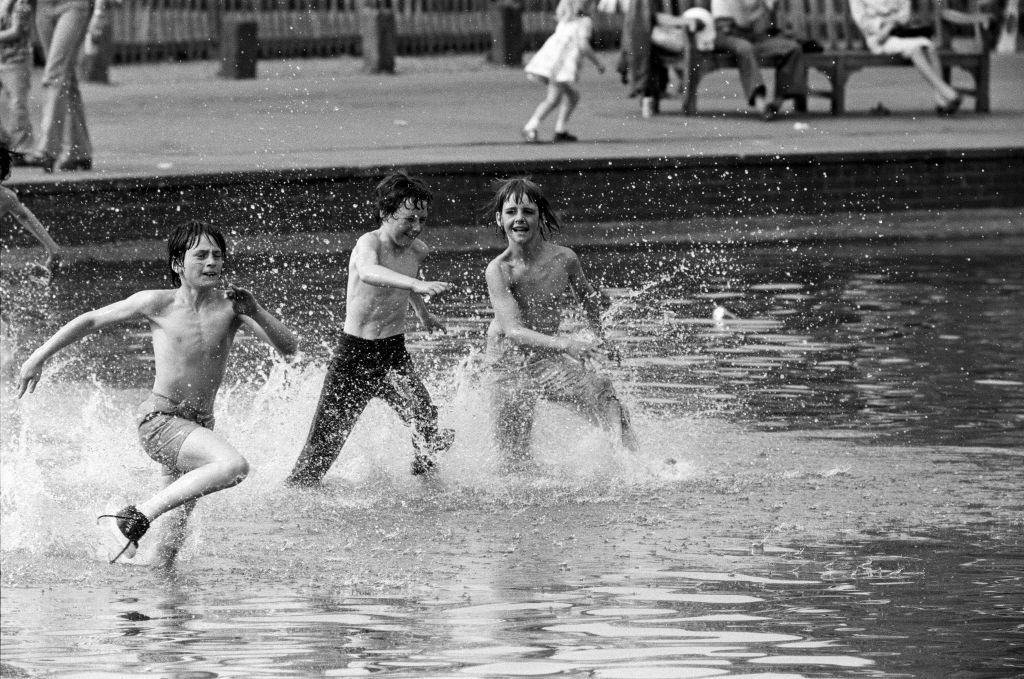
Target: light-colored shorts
[(164, 425), (551, 376), (905, 47)]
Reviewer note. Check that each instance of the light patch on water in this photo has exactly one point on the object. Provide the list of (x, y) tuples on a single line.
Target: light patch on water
[(519, 669), (827, 660), (659, 672), (660, 594), (719, 577), (597, 655), (600, 629)]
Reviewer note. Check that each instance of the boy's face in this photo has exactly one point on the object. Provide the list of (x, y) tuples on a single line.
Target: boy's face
[(519, 219), (202, 264), (406, 224)]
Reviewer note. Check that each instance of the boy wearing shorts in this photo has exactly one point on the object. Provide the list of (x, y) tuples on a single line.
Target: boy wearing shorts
[(371, 360), (527, 284), (193, 328)]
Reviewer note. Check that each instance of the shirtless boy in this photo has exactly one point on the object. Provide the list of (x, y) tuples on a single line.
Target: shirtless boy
[(193, 328), (371, 360), (527, 284)]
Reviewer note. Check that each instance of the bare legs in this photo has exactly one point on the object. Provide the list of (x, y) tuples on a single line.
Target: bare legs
[(559, 95), (927, 62), (208, 463)]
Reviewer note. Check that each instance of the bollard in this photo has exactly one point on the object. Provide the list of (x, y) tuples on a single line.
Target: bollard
[(94, 60), (239, 48), (380, 39), (506, 23)]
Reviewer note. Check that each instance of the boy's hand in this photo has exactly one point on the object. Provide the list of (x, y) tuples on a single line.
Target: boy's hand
[(430, 288), (243, 301), (582, 351), (31, 372), (432, 323)]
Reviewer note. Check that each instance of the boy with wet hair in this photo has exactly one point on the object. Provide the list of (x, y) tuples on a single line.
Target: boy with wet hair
[(371, 360), (527, 284), (11, 206), (193, 328)]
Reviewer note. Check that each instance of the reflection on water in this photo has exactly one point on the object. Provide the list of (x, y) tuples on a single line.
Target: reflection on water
[(845, 499), (841, 611)]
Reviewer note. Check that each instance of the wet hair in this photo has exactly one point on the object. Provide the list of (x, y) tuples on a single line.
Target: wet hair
[(515, 188), (395, 190), (185, 236), (570, 9), (5, 162)]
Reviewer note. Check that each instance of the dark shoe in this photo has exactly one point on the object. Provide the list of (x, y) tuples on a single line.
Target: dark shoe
[(529, 136), (950, 108), (73, 165), (37, 160), (564, 137), (129, 524), (426, 460), (770, 113), (880, 110)]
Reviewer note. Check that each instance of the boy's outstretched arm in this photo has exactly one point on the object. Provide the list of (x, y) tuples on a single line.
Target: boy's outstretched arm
[(76, 329), (429, 321), (509, 317), (262, 322), (367, 266)]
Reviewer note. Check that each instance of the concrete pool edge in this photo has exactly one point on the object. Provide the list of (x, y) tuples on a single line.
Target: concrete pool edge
[(595, 191)]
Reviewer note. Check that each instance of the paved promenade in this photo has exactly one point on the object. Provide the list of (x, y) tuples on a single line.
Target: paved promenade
[(181, 119)]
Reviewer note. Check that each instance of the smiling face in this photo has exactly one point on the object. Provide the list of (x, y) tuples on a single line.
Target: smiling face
[(202, 264), (519, 219), (406, 224)]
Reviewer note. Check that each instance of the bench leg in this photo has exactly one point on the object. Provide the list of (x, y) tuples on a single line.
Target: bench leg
[(693, 76), (982, 81), (839, 77)]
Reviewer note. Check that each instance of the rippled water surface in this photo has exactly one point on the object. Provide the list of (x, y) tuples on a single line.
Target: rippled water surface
[(829, 484)]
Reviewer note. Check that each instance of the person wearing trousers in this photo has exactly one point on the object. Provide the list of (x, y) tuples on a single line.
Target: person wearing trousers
[(15, 74), (743, 28), (62, 27)]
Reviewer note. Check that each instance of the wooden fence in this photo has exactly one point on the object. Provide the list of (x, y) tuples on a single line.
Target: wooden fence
[(155, 30)]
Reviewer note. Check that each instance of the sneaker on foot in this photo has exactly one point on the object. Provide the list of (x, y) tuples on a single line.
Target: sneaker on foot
[(564, 137), (124, 530)]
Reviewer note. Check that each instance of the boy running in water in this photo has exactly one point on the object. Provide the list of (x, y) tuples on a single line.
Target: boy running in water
[(527, 284), (193, 328), (371, 360)]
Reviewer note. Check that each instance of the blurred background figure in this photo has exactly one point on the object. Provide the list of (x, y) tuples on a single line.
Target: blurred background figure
[(11, 206), (62, 26), (887, 30), (15, 74)]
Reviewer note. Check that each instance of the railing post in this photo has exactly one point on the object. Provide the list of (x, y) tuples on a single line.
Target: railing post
[(379, 35), (239, 48), (505, 19), (94, 62)]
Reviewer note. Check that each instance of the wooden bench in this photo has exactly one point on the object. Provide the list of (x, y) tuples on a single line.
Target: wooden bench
[(828, 23)]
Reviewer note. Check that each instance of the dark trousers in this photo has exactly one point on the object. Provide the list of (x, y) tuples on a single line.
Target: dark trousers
[(784, 53), (362, 369)]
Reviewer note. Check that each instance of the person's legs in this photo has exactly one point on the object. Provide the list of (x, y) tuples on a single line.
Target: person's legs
[(512, 406), (61, 34), (15, 80), (790, 70), (77, 145), (926, 65), (404, 391), (346, 391), (554, 94), (750, 72), (570, 98)]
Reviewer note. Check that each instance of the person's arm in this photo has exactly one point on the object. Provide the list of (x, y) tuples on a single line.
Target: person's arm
[(21, 23), (367, 266), (586, 49), (262, 322), (429, 321), (592, 299), (509, 317), (79, 327), (9, 204)]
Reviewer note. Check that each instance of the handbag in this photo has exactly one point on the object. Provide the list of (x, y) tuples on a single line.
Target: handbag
[(671, 39)]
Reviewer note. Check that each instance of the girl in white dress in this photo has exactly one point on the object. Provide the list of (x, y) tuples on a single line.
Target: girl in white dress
[(557, 65)]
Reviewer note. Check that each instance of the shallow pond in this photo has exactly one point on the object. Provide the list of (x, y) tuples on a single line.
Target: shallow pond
[(829, 484)]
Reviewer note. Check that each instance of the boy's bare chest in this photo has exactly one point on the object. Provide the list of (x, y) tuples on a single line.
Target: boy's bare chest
[(208, 331), (407, 263), (537, 284)]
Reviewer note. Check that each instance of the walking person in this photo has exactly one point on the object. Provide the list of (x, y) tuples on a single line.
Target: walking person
[(62, 26), (557, 65), (15, 74)]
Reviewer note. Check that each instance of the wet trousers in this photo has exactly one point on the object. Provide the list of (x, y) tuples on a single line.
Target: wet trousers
[(360, 370)]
